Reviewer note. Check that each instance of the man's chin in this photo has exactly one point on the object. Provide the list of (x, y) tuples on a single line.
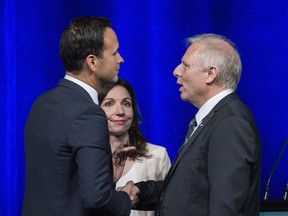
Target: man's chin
[(183, 97), (115, 79), (108, 81)]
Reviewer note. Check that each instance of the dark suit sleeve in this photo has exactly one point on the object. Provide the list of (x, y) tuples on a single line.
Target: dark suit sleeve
[(231, 157), (149, 193), (89, 140)]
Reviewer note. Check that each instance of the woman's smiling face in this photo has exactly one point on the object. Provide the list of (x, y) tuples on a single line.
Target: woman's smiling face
[(119, 110)]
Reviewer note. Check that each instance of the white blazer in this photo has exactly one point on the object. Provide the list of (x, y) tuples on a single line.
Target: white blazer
[(153, 168)]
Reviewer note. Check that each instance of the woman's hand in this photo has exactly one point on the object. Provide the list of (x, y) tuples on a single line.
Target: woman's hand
[(119, 157)]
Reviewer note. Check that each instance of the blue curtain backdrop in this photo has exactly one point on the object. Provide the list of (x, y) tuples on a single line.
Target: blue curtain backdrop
[(151, 35)]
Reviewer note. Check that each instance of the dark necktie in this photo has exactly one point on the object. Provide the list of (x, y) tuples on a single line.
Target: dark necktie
[(192, 126)]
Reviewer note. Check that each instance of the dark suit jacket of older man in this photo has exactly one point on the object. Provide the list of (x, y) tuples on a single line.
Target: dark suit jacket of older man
[(68, 157), (217, 173)]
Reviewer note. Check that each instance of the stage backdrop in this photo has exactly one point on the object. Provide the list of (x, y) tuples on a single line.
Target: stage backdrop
[(151, 35)]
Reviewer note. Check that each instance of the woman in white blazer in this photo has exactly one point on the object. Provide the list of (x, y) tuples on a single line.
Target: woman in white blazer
[(148, 161)]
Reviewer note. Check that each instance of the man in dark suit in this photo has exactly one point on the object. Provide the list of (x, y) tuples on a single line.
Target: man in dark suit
[(69, 169), (217, 169)]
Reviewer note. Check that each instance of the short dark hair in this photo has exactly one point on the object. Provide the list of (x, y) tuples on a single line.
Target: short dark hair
[(135, 136), (84, 36)]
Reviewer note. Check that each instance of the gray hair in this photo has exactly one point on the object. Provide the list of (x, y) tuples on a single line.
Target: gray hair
[(220, 53)]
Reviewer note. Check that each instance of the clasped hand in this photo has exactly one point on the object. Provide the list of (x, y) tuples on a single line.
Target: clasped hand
[(132, 191)]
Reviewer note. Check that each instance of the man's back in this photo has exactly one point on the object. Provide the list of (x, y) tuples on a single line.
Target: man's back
[(65, 138)]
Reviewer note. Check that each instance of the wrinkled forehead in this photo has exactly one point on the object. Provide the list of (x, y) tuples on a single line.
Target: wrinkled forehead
[(192, 51), (118, 92)]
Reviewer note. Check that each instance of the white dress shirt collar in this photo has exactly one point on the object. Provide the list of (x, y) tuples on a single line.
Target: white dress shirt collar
[(208, 106), (91, 91)]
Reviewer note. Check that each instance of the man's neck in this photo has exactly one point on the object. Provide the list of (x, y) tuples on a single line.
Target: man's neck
[(86, 78)]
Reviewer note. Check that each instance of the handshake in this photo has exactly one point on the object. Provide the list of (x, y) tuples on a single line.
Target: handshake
[(132, 191)]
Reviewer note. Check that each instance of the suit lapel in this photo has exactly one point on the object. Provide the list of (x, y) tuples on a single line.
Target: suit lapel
[(188, 145)]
